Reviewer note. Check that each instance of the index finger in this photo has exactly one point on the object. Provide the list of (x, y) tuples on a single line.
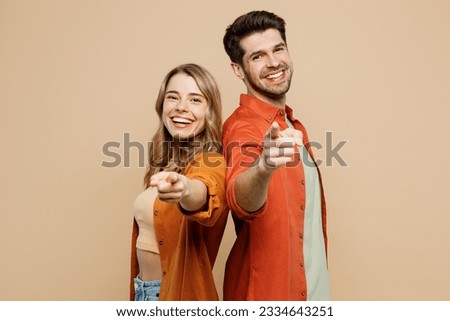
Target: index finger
[(274, 131)]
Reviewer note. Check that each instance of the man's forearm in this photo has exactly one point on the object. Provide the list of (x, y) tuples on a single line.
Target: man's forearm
[(251, 188)]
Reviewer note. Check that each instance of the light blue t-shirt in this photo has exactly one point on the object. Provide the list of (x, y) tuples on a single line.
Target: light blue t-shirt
[(317, 281)]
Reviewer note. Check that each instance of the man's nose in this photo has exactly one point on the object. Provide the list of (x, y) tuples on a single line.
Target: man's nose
[(272, 61)]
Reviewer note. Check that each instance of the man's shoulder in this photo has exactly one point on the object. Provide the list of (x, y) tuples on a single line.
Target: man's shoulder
[(239, 112), (237, 121), (241, 116)]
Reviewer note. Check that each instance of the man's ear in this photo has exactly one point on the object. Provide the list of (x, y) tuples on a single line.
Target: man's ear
[(238, 71)]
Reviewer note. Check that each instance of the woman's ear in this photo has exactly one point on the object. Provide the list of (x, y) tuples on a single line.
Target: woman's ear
[(238, 71)]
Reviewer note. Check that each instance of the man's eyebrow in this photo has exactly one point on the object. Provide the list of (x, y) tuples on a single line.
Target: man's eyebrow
[(281, 44), (255, 53), (259, 52)]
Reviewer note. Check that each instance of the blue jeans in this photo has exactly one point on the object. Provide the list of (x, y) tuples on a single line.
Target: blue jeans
[(146, 290)]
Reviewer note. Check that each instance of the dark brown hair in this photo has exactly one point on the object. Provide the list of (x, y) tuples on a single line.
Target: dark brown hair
[(247, 24)]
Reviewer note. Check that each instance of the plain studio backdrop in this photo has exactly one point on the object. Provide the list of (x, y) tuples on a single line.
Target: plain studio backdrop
[(76, 76)]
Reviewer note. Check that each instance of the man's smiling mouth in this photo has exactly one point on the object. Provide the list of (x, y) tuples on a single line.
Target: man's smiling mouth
[(276, 75)]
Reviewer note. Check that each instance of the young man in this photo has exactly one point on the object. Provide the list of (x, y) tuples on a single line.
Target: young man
[(274, 188)]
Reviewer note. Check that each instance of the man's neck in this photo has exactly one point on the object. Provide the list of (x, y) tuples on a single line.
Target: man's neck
[(277, 102)]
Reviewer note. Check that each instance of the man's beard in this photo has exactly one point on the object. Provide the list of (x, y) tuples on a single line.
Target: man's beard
[(270, 91)]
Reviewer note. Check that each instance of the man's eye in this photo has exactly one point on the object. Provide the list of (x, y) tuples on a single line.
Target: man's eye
[(255, 58)]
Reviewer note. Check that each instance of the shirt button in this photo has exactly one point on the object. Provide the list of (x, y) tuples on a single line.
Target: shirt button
[(155, 213), (281, 112), (301, 235), (301, 264), (302, 207), (164, 274), (269, 117), (161, 242), (303, 182), (303, 293)]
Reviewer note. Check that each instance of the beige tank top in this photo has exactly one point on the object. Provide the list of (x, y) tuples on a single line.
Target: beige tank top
[(143, 213)]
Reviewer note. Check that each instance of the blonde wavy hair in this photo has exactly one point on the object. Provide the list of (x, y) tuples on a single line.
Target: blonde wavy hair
[(171, 154)]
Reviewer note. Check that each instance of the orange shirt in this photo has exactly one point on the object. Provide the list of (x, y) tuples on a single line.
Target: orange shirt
[(266, 261), (188, 242)]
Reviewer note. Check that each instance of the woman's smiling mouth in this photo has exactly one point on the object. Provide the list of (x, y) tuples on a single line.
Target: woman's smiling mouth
[(181, 121)]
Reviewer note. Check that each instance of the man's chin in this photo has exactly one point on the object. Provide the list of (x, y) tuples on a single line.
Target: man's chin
[(274, 94), (274, 90)]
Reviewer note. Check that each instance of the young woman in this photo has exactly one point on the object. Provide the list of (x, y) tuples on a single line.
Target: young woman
[(180, 218)]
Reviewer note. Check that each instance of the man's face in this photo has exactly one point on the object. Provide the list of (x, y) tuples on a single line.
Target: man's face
[(267, 65)]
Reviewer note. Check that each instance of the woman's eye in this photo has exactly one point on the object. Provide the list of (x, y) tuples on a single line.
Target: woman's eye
[(197, 99), (171, 97)]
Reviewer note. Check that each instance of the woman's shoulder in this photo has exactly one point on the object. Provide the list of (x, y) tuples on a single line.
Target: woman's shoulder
[(206, 155), (207, 161)]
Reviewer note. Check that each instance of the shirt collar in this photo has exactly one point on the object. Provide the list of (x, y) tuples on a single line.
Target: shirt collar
[(265, 110)]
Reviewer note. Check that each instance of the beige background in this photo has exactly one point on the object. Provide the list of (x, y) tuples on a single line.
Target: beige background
[(77, 74)]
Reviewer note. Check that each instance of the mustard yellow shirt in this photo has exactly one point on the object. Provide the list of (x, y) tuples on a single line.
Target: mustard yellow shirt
[(189, 242)]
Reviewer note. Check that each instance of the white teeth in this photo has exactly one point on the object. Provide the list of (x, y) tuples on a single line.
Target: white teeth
[(278, 74), (181, 120)]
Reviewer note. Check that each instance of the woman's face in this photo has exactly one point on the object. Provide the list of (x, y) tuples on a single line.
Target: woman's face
[(184, 108)]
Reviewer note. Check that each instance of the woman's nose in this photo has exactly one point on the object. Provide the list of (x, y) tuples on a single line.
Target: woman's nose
[(182, 105)]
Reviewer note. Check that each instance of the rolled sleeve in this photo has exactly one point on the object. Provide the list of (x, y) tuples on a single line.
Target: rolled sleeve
[(210, 169), (241, 151)]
